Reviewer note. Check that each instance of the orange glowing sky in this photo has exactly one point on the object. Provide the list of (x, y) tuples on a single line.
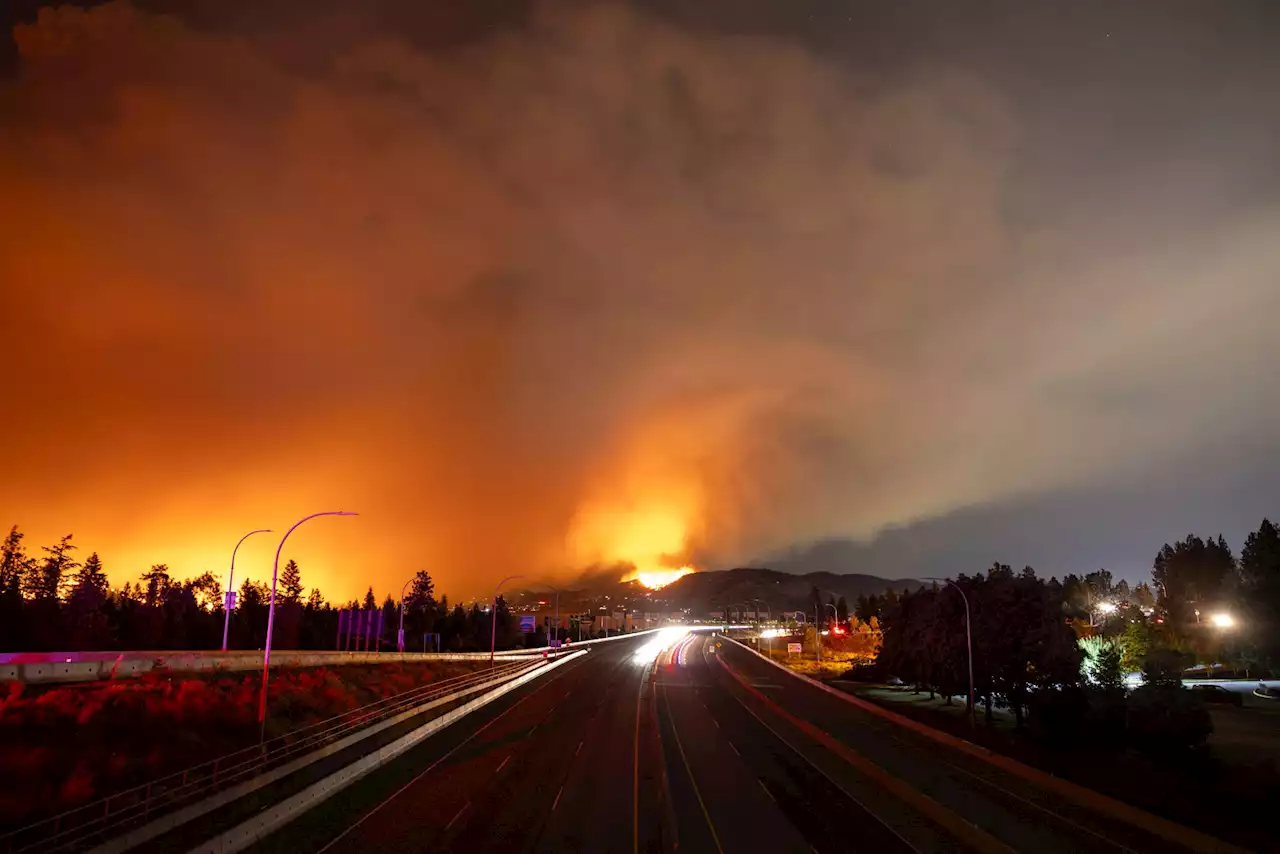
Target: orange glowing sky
[(592, 288)]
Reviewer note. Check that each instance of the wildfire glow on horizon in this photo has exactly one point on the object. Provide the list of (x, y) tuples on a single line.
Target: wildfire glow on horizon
[(656, 579)]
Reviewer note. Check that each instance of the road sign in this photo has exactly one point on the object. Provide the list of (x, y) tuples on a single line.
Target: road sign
[(231, 600), (528, 622), (793, 649)]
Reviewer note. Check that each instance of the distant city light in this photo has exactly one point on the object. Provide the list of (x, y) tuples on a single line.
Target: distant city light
[(1107, 607), (1222, 621)]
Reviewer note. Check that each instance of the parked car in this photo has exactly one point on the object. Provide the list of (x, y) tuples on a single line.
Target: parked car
[(1217, 694)]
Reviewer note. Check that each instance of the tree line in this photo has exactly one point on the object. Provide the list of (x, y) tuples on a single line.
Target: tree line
[(52, 601), (1056, 652)]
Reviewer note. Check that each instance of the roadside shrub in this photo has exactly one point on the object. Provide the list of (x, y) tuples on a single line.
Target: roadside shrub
[(867, 672), (1106, 716), (1057, 716), (130, 730), (1163, 668), (1165, 718)]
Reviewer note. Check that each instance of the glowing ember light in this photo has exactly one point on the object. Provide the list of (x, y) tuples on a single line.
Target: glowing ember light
[(656, 579)]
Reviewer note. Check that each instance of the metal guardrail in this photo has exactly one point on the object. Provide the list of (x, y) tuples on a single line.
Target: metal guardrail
[(75, 828), (48, 668)]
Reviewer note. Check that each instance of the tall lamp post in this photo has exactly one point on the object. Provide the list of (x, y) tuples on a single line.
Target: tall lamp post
[(968, 639), (817, 634), (400, 634), (493, 617), (760, 602), (271, 618), (226, 602), (557, 643)]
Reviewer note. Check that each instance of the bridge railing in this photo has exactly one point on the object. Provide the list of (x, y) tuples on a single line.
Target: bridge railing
[(91, 823)]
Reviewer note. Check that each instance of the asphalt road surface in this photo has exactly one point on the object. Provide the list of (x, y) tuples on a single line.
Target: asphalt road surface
[(567, 763), (695, 746)]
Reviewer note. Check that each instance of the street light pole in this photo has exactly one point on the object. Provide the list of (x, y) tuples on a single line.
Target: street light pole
[(493, 617), (557, 643), (817, 634), (271, 618), (968, 639), (400, 635), (769, 645), (226, 620)]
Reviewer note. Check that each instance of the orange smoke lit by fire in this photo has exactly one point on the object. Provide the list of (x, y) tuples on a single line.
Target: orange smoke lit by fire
[(659, 578)]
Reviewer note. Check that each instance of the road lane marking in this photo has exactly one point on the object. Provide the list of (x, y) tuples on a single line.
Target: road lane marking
[(1080, 795), (734, 746), (579, 748), (635, 774), (433, 765), (689, 770), (556, 802), (503, 765), (966, 832), (766, 790), (457, 815)]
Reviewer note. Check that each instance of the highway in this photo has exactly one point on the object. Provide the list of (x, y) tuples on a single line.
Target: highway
[(692, 744), (568, 763)]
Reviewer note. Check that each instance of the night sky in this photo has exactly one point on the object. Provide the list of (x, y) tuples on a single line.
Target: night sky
[(537, 287)]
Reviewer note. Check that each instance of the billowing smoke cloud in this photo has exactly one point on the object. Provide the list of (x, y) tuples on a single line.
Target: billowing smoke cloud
[(596, 289)]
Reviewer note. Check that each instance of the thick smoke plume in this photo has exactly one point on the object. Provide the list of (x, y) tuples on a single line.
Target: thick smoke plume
[(591, 290)]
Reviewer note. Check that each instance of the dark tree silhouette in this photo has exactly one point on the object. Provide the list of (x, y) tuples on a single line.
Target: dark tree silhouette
[(291, 588), (1190, 573), (47, 580), (157, 582)]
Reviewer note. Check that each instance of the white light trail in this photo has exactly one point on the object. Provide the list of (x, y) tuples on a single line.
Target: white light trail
[(663, 639)]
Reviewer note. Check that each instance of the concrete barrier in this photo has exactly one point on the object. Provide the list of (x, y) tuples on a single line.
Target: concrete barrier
[(192, 811), (65, 667), (245, 834), (1179, 835)]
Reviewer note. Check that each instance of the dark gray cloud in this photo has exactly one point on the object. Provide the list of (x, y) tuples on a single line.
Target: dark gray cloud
[(551, 287)]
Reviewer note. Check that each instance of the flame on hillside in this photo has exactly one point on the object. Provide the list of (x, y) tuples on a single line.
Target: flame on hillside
[(656, 579)]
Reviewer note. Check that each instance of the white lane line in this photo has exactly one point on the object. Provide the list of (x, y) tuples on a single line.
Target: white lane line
[(579, 748), (766, 790), (458, 815), (556, 802), (398, 792), (535, 727), (716, 722), (503, 765), (734, 746)]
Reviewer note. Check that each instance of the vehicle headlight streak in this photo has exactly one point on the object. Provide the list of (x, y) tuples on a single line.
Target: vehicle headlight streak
[(681, 649), (663, 639)]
